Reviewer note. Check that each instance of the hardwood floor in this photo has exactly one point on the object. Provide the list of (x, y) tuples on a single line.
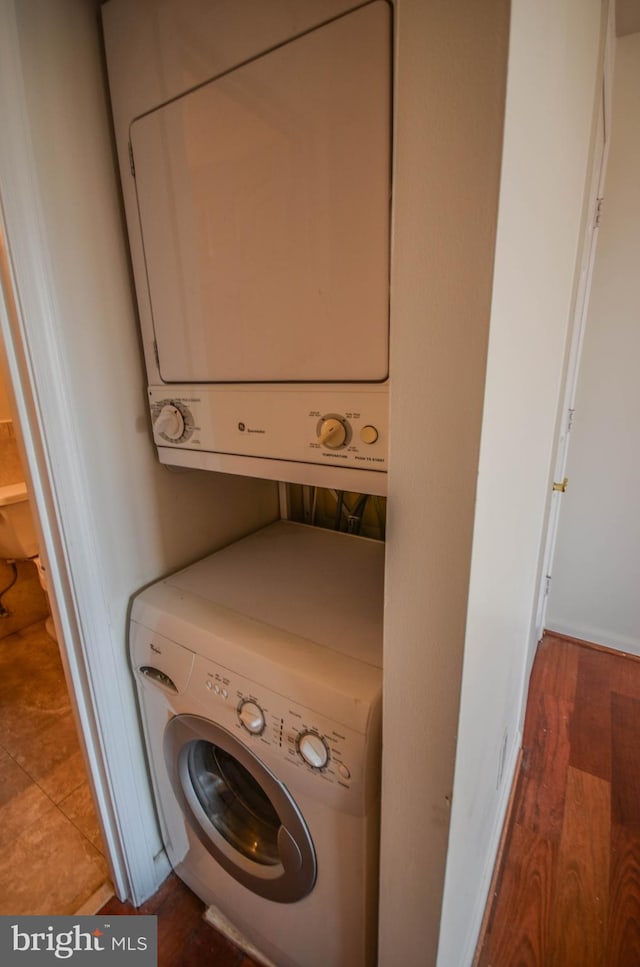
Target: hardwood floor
[(184, 938), (568, 887)]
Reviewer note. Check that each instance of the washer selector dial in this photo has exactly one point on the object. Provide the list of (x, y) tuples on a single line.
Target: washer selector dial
[(313, 750), (170, 422), (332, 433), (251, 717)]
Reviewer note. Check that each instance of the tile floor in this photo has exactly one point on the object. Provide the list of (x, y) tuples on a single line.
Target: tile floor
[(51, 855)]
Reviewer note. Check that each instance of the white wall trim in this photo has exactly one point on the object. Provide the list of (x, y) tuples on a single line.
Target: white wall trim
[(101, 687), (484, 884), (596, 636)]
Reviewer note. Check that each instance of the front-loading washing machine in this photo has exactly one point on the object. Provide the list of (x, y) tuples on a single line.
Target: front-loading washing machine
[(259, 677)]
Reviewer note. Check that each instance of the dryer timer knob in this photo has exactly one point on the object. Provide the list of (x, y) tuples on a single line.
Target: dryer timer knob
[(251, 717), (170, 422), (313, 750)]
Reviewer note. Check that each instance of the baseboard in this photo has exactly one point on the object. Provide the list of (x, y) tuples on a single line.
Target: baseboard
[(493, 886), (482, 911), (596, 637), (96, 901), (479, 918)]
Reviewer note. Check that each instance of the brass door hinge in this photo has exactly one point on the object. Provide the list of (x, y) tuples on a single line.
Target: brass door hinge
[(561, 487)]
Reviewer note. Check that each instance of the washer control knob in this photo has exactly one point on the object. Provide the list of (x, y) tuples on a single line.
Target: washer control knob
[(332, 433), (313, 750), (251, 717), (170, 422)]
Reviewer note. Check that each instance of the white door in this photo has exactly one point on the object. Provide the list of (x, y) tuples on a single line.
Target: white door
[(581, 307)]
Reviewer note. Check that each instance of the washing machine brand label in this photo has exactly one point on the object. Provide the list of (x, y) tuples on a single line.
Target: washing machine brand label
[(116, 940)]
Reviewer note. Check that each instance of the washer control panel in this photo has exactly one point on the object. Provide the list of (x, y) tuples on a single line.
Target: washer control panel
[(316, 749)]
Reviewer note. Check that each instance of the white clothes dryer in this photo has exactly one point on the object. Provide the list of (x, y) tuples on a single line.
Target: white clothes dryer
[(259, 677), (255, 140)]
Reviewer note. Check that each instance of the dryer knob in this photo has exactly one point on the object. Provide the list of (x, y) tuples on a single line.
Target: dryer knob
[(313, 750), (170, 422), (332, 433), (252, 717)]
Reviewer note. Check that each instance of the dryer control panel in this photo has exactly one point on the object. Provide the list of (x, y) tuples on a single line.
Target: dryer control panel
[(337, 427)]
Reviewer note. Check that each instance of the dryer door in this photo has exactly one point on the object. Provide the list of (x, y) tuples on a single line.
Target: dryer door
[(241, 813), (263, 199)]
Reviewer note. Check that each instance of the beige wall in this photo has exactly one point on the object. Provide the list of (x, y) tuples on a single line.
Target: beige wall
[(5, 411), (596, 570), (555, 60), (451, 69)]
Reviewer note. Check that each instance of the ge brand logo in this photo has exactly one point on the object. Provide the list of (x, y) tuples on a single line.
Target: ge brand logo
[(241, 427)]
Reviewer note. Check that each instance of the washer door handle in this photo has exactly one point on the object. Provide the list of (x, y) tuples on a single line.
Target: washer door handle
[(289, 851)]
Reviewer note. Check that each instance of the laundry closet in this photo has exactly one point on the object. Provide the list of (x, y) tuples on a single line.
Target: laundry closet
[(125, 519)]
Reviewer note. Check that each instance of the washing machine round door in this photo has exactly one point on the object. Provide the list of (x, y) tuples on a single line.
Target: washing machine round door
[(243, 815)]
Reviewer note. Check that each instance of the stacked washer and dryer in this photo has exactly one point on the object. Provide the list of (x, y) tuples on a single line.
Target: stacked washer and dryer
[(254, 144)]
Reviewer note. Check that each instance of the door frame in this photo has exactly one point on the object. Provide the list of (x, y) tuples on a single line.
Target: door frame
[(580, 309), (99, 683)]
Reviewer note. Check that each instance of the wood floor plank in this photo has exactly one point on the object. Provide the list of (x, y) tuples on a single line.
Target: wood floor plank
[(623, 928), (519, 931), (591, 722), (625, 675), (625, 773), (178, 916), (555, 668), (541, 805), (578, 923), (206, 946)]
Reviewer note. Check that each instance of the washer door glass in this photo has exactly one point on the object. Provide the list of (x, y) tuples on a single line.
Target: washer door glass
[(239, 810), (234, 802)]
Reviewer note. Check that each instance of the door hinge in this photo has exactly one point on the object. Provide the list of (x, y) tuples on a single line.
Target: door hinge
[(547, 585), (131, 161), (562, 486), (570, 420), (598, 213)]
